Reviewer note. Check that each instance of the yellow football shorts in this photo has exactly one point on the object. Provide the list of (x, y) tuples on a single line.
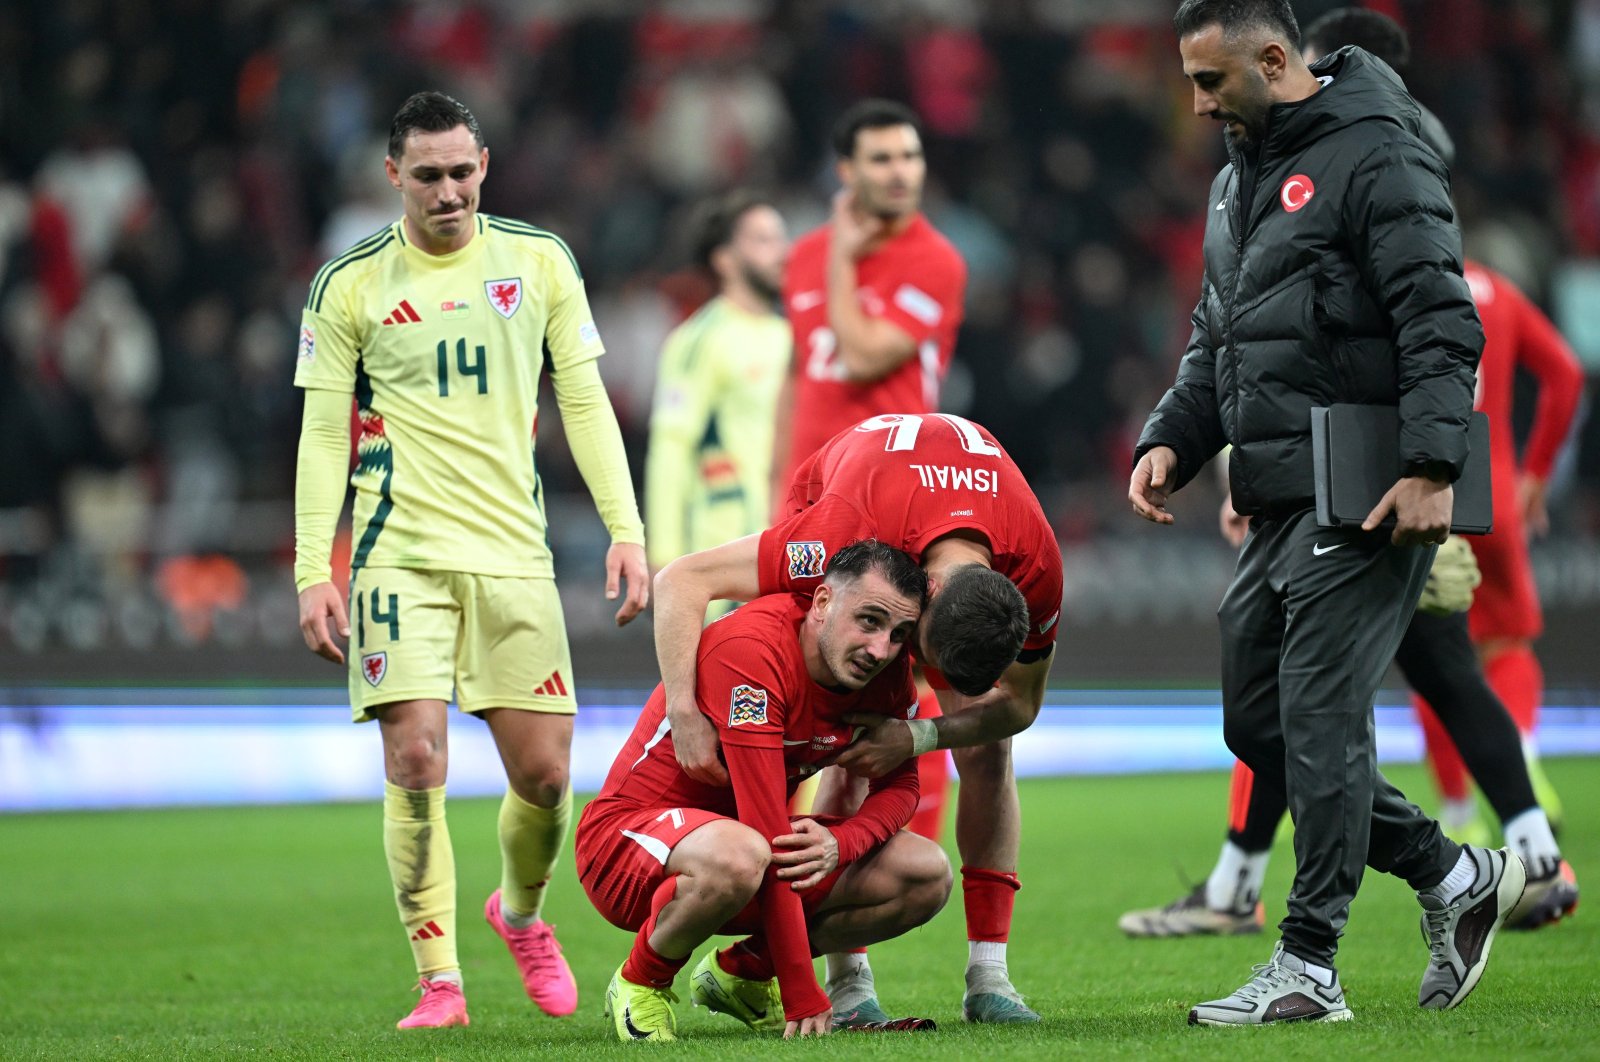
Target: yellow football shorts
[(493, 642)]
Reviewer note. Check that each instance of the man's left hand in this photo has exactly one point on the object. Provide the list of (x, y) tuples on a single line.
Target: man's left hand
[(807, 855), (882, 745), (625, 561), (1422, 509)]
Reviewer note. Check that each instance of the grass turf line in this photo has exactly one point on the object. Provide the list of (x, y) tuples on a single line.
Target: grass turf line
[(270, 933)]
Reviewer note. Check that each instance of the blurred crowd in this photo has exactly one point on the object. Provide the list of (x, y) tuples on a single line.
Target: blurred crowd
[(173, 172)]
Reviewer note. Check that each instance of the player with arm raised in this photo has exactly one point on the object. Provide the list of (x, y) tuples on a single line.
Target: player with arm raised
[(874, 296), (942, 489), (440, 325), (676, 859)]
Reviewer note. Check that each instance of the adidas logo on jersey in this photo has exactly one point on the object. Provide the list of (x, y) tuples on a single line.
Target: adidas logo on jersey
[(403, 314)]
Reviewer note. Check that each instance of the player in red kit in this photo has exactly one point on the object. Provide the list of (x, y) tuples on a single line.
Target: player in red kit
[(874, 296), (678, 860), (1505, 615), (941, 488)]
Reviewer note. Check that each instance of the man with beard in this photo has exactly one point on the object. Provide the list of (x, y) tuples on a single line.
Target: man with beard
[(1333, 273), (874, 295), (710, 465)]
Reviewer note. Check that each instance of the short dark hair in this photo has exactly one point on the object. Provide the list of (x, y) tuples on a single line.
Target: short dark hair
[(896, 566), (870, 114), (1372, 30), (976, 624), (1236, 16), (430, 112), (716, 220)]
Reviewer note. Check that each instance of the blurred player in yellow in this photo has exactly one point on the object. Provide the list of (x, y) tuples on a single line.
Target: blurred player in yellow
[(440, 326), (707, 480)]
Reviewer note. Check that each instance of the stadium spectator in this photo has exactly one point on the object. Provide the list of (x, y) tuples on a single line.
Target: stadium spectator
[(709, 470), (967, 514), (1327, 170), (453, 590), (783, 681)]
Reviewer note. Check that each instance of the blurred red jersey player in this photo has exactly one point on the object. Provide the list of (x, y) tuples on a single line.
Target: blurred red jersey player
[(1505, 615), (875, 295)]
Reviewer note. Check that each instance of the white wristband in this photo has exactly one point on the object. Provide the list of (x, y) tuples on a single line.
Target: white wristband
[(924, 736)]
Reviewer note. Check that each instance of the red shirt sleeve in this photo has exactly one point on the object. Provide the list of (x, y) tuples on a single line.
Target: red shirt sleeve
[(889, 805), (758, 787), (1542, 350), (793, 554), (740, 688), (890, 801)]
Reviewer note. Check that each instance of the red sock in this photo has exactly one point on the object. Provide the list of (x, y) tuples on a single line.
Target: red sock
[(1239, 796), (933, 778), (645, 965), (988, 896), (1449, 773), (747, 959), (1519, 680)]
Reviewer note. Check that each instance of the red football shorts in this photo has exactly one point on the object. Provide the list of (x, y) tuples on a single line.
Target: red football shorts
[(622, 858)]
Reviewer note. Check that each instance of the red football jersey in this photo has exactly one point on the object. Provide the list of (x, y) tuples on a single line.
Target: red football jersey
[(907, 480), (916, 281), (752, 683), (1516, 333), (777, 726)]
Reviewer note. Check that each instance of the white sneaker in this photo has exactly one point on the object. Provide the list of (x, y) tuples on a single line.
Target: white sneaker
[(1281, 990), (1190, 917), (1459, 932)]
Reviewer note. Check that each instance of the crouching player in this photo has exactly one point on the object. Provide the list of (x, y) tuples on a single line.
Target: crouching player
[(677, 860)]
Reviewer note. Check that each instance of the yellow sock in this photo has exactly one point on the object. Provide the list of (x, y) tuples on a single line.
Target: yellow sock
[(530, 839), (422, 866)]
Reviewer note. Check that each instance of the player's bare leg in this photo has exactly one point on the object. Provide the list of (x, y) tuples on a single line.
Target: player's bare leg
[(535, 816), (416, 842), (988, 834), (892, 891), (716, 871)]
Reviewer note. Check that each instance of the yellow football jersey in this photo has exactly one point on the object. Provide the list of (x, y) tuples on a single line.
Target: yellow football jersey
[(443, 354), (711, 430)]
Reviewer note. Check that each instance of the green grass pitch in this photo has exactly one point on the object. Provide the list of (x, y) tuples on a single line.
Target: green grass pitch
[(269, 933)]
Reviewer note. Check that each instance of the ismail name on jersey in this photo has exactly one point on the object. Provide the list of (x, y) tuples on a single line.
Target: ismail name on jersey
[(953, 477)]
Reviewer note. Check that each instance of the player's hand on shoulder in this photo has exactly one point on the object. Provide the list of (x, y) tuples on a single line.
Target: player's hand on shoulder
[(805, 855), (816, 1025), (322, 613), (625, 563), (1147, 490), (694, 742), (883, 744)]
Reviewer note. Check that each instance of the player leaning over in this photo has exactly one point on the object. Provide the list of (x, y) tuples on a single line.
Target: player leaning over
[(942, 489), (440, 325)]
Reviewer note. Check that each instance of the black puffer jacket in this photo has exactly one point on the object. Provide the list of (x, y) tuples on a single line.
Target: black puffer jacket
[(1332, 274)]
